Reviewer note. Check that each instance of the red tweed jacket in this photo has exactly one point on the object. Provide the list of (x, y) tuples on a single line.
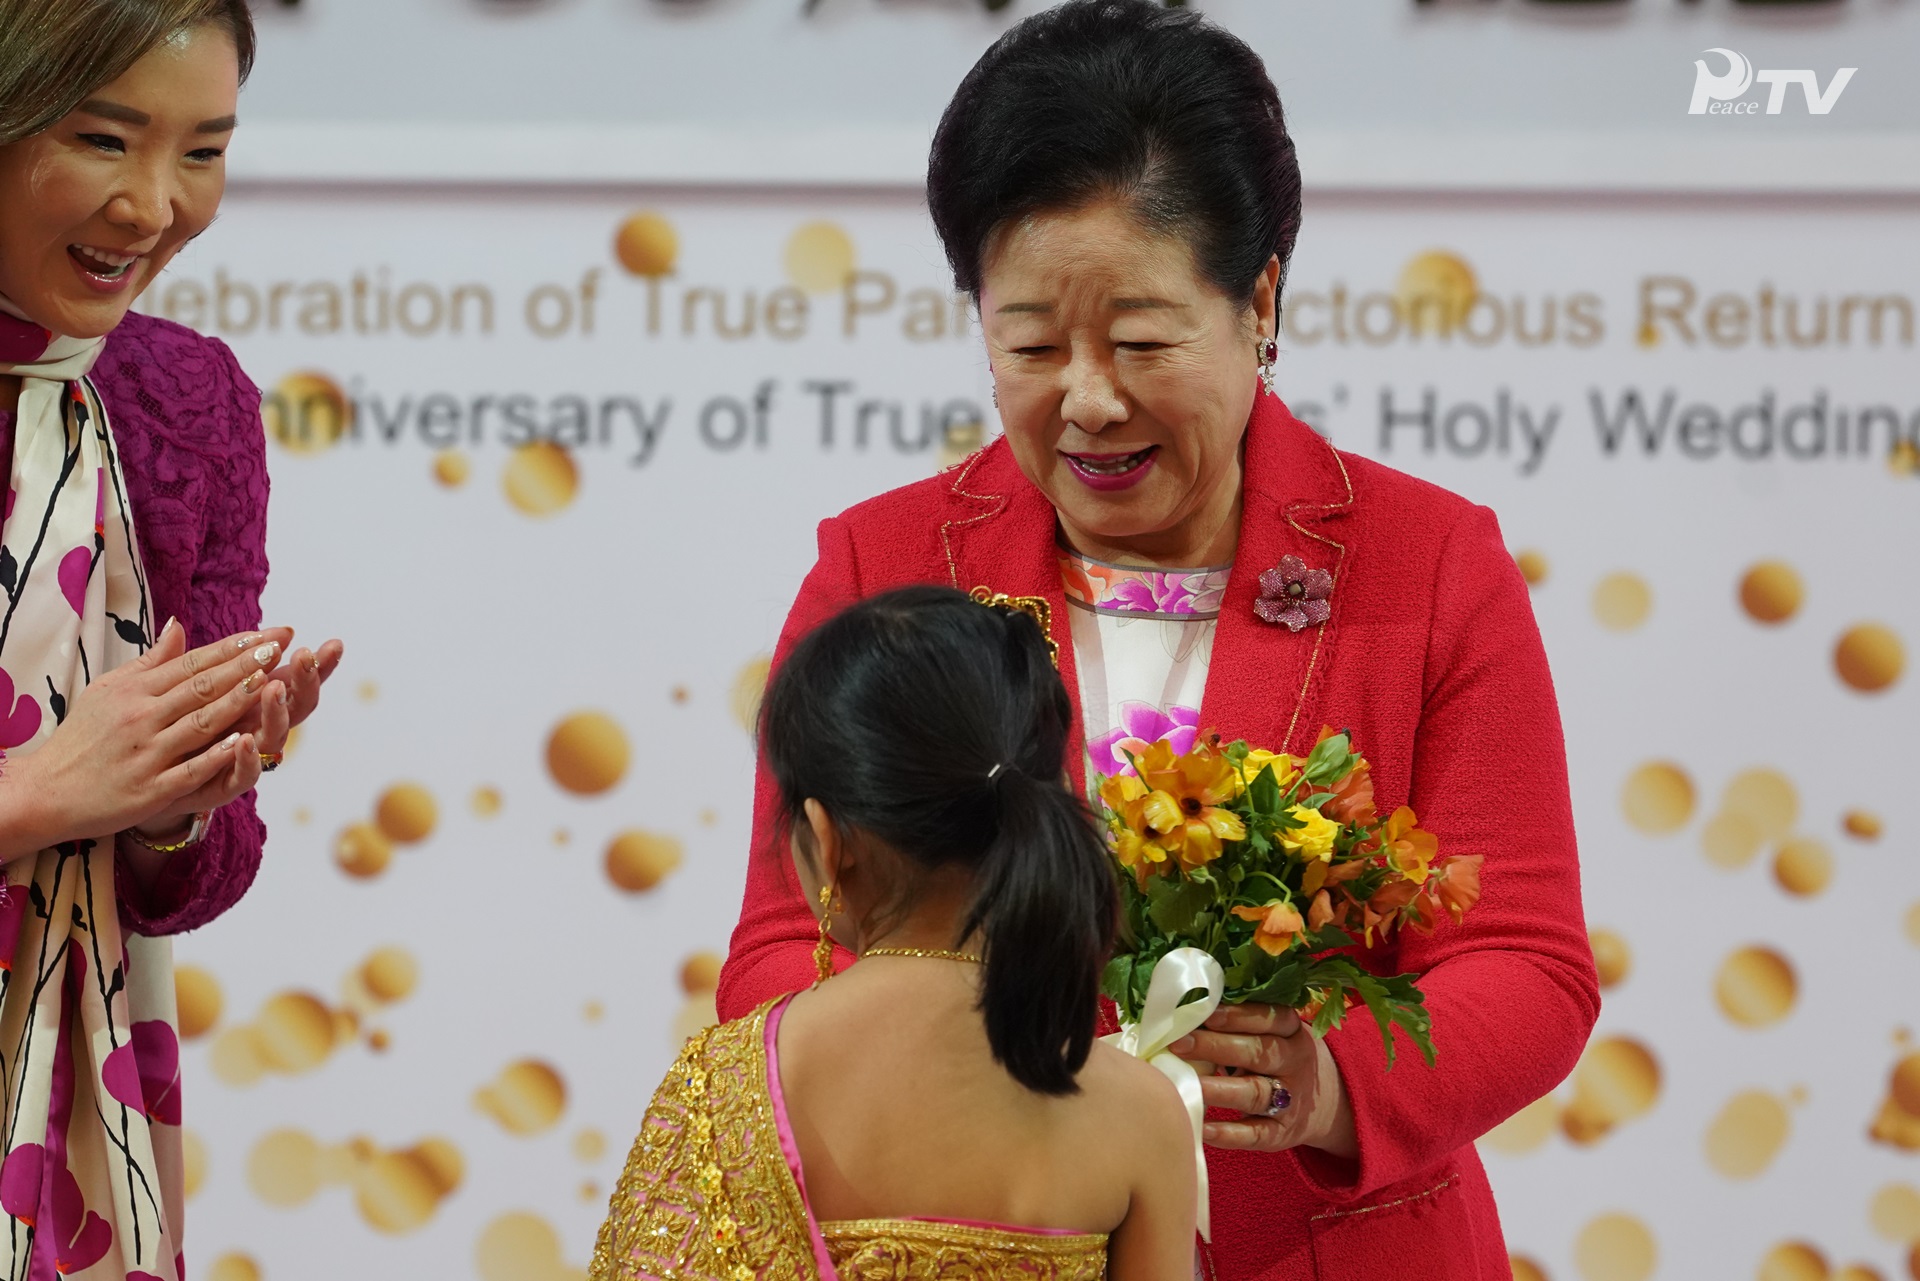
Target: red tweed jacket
[(1433, 659)]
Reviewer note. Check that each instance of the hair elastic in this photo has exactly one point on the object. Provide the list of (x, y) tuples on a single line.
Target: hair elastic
[(995, 771)]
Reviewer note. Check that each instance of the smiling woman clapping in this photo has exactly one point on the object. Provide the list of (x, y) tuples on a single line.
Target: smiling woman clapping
[(134, 530)]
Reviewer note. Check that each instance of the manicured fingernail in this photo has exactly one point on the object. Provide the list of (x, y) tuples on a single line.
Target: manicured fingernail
[(251, 638), (313, 662), (266, 653), (1181, 1046), (230, 740), (171, 620), (252, 682), (280, 696)]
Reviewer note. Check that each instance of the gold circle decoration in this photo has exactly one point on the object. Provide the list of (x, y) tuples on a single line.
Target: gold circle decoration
[(451, 468), (1730, 840), (1435, 291), (1615, 1247), (1912, 924), (700, 973), (306, 413), (1869, 657), (1766, 798), (1526, 1130), (820, 257), (236, 1058), (519, 1246), (1771, 592), (1858, 1272), (396, 1192), (587, 753), (1658, 798), (1905, 1085), (295, 1031), (193, 1163), (1622, 601), (1533, 566), (1894, 1213), (1793, 1261), (1611, 957), (442, 1162), (637, 861), (589, 1145), (749, 686), (1862, 825), (362, 851), (390, 974), (235, 1267), (197, 1001), (406, 813), (486, 801), (526, 1098), (1617, 1080), (1525, 1269), (1756, 987), (1747, 1134), (541, 478), (1803, 867), (647, 245), (284, 1168)]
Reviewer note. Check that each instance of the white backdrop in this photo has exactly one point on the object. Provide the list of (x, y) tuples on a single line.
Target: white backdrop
[(475, 628), (562, 485)]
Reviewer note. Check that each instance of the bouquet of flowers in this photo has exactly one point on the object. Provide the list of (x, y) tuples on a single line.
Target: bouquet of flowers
[(1267, 863)]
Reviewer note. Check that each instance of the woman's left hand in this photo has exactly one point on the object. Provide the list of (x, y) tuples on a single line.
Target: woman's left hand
[(291, 694), (1268, 1048)]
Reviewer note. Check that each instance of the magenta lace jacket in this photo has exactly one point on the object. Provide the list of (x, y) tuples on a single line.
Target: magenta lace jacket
[(187, 424)]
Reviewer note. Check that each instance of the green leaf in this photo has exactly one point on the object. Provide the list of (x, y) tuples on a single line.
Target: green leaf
[(1264, 793), (1117, 979), (1329, 760), (1175, 905)]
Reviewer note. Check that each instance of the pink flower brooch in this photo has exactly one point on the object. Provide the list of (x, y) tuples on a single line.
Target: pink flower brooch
[(1291, 593)]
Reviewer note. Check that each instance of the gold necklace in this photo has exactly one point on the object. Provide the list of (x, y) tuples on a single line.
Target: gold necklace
[(932, 953)]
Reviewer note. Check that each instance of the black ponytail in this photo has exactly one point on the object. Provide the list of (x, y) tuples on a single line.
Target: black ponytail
[(940, 727)]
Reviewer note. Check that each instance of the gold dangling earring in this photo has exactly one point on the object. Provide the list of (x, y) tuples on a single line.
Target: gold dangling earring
[(823, 950)]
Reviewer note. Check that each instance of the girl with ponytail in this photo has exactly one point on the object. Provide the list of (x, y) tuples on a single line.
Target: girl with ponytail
[(948, 1086)]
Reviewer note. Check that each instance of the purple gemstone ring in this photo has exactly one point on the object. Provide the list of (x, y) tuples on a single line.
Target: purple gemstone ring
[(1280, 1098)]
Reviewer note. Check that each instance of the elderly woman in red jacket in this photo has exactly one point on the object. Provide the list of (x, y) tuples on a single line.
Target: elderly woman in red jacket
[(1115, 186)]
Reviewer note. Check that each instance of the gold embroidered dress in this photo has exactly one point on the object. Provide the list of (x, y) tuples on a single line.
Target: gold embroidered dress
[(713, 1191)]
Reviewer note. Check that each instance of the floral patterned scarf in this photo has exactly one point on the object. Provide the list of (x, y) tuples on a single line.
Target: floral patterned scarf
[(89, 1054)]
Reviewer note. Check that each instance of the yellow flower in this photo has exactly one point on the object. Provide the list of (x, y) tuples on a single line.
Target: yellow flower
[(1315, 839), (1183, 809), (1125, 798), (1284, 767)]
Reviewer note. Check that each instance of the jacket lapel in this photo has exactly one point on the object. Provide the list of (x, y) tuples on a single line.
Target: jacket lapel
[(1002, 535), (1265, 682)]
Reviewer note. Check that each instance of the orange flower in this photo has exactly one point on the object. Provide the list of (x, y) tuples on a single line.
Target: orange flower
[(1280, 926), (1382, 910), (1408, 849), (1459, 883), (1352, 797), (1320, 913), (1183, 804), (1125, 798)]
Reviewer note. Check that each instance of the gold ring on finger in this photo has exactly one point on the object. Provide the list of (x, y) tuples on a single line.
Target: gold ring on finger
[(270, 761)]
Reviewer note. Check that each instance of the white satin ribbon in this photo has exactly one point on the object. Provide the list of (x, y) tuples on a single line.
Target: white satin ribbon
[(1163, 1021)]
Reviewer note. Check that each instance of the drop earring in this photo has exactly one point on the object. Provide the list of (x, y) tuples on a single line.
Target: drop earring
[(1269, 356), (823, 950)]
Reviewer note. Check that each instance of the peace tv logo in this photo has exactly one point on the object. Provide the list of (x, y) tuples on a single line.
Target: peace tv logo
[(1724, 93)]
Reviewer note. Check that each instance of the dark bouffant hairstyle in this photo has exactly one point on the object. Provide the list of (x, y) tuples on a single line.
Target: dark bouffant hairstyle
[(1120, 98), (893, 715)]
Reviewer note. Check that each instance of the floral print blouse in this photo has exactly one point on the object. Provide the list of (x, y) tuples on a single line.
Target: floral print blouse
[(1142, 641)]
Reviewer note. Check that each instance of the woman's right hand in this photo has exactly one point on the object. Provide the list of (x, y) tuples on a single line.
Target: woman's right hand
[(134, 747)]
